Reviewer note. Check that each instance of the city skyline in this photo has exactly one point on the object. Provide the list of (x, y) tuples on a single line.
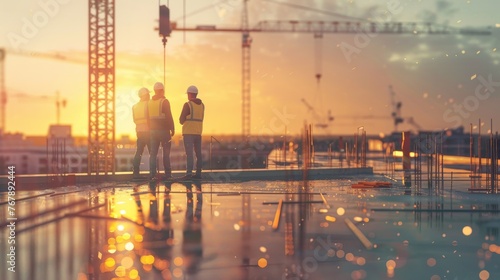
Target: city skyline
[(435, 77)]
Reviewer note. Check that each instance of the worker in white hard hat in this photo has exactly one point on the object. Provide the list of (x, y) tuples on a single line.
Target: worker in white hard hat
[(191, 119), (162, 129), (140, 115)]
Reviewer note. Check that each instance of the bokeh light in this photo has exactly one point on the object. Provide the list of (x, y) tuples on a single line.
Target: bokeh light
[(129, 246), (340, 211), (390, 264), (349, 257), (112, 249), (127, 262), (330, 219), (340, 254), (147, 259), (177, 272), (133, 274), (431, 262), (178, 261), (138, 238), (484, 275), (120, 271), (360, 261), (262, 263), (467, 230), (109, 262)]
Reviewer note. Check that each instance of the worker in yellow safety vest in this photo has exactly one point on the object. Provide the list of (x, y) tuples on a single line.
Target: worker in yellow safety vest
[(140, 114), (161, 125), (191, 119)]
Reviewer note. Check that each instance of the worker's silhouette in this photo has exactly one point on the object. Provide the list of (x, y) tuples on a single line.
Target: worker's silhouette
[(137, 197), (192, 247), (158, 235)]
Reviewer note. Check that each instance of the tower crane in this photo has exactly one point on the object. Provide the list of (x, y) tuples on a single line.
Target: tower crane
[(56, 99), (246, 41), (3, 93), (319, 123), (396, 108), (101, 63), (395, 114), (318, 28), (318, 52), (412, 122)]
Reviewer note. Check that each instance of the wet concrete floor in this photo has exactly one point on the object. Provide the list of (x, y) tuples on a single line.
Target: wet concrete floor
[(320, 229)]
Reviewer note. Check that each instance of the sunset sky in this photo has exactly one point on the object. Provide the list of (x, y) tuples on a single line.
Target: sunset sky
[(431, 75)]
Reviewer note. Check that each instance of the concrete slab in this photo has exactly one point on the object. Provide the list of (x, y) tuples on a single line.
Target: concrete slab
[(217, 230), (40, 182)]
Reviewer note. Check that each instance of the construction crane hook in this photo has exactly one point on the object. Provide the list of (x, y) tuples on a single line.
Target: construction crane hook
[(318, 51), (318, 78)]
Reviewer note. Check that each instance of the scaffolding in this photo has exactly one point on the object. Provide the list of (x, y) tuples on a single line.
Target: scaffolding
[(101, 136)]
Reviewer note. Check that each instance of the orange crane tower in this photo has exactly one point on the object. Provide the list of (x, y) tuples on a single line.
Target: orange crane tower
[(101, 128)]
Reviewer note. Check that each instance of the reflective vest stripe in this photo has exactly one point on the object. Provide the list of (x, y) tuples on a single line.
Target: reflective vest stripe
[(155, 110), (192, 118)]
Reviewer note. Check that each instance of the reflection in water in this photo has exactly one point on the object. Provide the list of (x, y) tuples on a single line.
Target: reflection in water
[(139, 245), (246, 234), (155, 251), (192, 249), (158, 234), (155, 231)]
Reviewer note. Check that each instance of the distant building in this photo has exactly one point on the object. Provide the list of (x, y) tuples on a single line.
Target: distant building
[(455, 142), (61, 153), (55, 153)]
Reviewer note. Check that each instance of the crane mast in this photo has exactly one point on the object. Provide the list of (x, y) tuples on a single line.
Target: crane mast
[(3, 94), (246, 41), (101, 133)]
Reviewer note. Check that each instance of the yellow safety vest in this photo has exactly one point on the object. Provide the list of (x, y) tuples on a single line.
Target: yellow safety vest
[(194, 121), (155, 109), (140, 111)]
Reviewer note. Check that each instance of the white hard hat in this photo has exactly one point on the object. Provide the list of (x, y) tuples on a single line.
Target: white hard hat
[(158, 86), (143, 92), (192, 89)]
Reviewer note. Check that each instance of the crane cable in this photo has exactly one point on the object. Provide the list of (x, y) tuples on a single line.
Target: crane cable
[(318, 53), (300, 7), (202, 9)]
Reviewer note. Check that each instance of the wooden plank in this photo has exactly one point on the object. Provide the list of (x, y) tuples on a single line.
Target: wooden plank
[(277, 215), (362, 238)]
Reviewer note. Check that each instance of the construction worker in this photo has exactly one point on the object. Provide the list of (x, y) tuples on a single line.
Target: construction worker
[(162, 129), (191, 119), (140, 114)]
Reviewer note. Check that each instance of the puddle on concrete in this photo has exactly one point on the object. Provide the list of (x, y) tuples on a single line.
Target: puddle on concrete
[(225, 231)]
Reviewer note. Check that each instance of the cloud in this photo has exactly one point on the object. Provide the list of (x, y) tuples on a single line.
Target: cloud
[(441, 13)]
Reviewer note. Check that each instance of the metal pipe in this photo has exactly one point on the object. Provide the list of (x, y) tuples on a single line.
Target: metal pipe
[(471, 143), (479, 149)]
